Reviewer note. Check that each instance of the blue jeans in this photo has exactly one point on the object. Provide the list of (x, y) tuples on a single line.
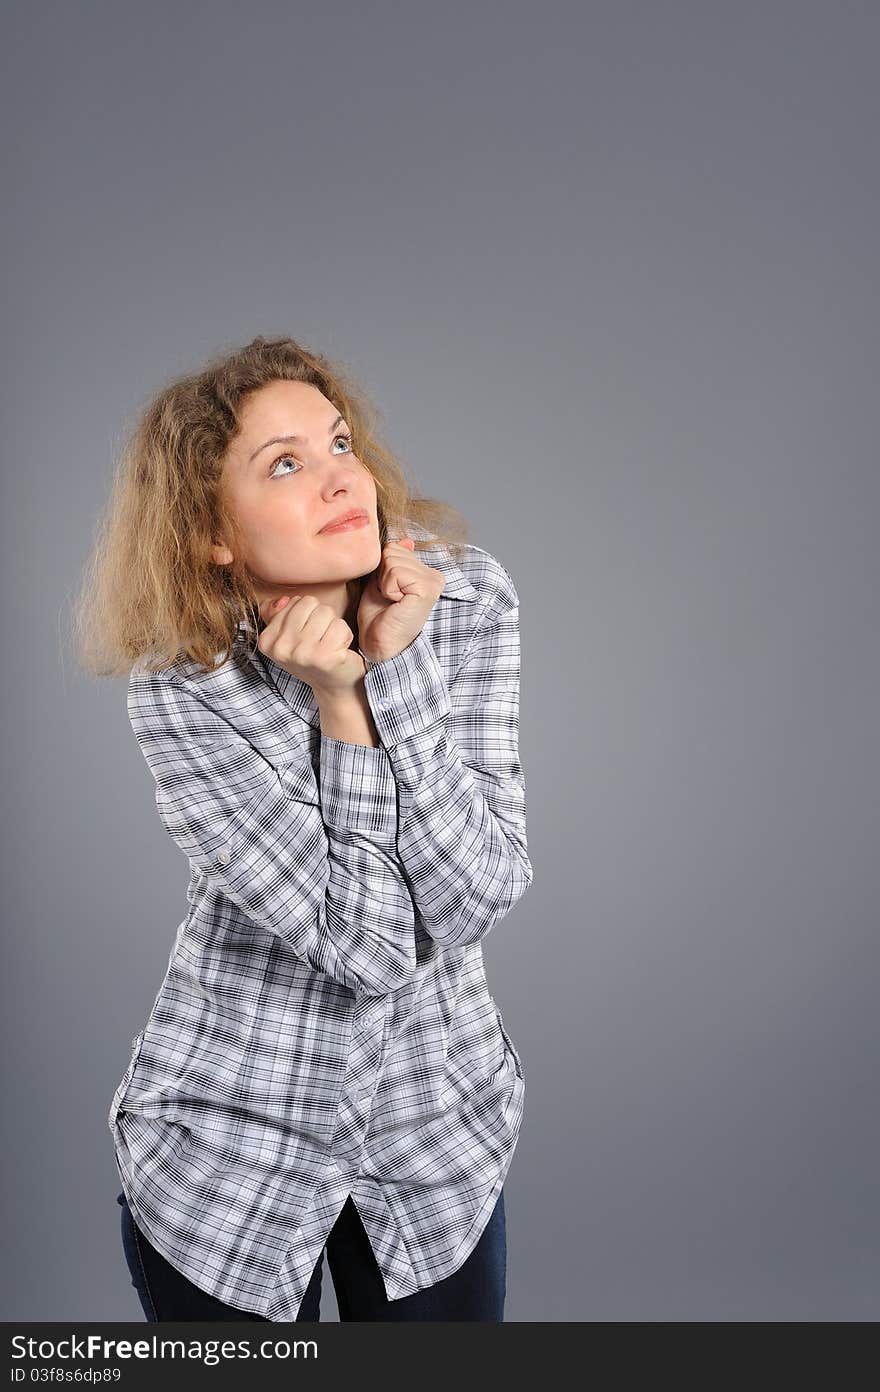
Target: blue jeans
[(476, 1291)]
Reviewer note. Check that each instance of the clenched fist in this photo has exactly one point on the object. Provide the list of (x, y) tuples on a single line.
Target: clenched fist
[(396, 601), (309, 640)]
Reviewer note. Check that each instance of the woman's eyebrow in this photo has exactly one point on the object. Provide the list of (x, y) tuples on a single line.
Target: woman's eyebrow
[(291, 439)]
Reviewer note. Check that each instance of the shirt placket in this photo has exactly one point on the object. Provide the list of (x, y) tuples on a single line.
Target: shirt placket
[(365, 1058)]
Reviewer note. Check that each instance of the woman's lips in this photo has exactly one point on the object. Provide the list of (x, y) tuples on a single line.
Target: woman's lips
[(347, 526)]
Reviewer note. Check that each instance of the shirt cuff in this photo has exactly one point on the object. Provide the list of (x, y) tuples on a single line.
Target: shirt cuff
[(407, 693), (358, 787)]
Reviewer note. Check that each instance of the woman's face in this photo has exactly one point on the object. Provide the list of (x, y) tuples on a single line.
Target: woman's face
[(283, 491)]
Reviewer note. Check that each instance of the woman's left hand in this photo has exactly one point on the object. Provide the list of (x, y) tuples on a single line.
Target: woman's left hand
[(396, 601)]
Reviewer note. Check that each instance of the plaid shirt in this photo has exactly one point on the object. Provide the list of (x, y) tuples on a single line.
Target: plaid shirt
[(324, 1026)]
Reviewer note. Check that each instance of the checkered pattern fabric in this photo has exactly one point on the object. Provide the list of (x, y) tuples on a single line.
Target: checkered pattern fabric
[(324, 1026)]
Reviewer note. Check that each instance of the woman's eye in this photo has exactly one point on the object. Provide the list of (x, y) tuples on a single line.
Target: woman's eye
[(283, 457)]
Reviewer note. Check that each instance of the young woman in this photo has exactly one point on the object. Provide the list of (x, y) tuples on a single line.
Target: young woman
[(324, 683)]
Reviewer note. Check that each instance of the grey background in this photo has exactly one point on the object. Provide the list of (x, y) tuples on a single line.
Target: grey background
[(610, 270)]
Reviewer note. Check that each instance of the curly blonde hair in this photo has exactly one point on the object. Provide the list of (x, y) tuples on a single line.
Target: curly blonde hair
[(152, 589)]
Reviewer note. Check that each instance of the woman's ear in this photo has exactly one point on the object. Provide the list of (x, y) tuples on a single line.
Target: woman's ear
[(222, 554)]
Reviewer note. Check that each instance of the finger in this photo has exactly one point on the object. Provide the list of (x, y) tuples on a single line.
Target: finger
[(399, 579), (273, 608), (310, 622), (270, 607)]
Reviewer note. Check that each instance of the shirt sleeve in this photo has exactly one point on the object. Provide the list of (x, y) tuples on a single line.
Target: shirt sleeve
[(313, 861), (462, 807)]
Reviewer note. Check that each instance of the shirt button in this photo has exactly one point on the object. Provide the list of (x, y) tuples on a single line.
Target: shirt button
[(383, 703), (224, 856)]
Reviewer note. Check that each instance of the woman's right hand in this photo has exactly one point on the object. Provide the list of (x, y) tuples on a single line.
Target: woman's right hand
[(310, 641)]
